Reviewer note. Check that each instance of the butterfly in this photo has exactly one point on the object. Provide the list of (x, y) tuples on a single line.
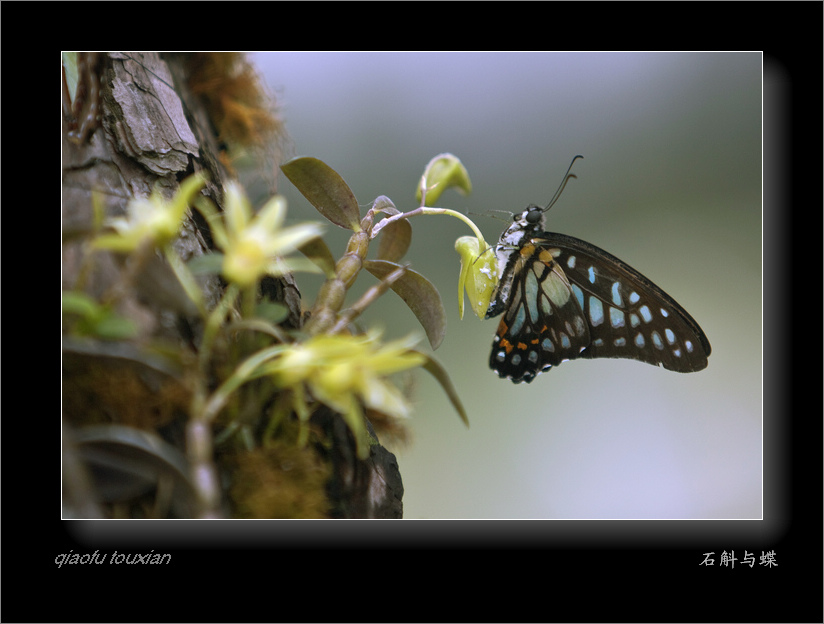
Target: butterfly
[(563, 298)]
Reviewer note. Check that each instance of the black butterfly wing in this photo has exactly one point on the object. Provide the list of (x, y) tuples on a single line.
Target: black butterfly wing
[(569, 299), (628, 316), (542, 324)]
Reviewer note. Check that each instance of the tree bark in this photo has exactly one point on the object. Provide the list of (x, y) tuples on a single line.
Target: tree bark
[(150, 132)]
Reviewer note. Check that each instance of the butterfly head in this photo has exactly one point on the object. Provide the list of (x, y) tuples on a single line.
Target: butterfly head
[(525, 224)]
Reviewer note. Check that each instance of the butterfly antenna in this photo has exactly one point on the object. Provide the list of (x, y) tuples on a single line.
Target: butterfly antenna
[(481, 255), (508, 214), (567, 177)]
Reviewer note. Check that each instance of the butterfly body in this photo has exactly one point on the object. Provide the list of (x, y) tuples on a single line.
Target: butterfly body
[(563, 298)]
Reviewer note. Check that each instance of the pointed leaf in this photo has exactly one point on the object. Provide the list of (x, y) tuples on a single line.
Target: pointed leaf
[(394, 240), (318, 252), (325, 190), (383, 204), (435, 369), (419, 294), (128, 461), (206, 264)]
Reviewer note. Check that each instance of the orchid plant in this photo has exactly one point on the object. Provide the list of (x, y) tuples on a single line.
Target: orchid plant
[(249, 376)]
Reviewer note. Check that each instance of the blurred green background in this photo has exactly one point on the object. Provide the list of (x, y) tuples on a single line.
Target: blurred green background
[(670, 183)]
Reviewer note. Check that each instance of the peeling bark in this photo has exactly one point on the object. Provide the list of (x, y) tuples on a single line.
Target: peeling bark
[(151, 132)]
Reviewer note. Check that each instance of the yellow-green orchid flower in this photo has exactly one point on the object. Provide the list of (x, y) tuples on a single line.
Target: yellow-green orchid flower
[(255, 245), (479, 274)]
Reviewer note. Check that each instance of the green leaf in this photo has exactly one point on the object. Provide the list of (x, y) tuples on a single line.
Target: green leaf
[(271, 311), (318, 252), (207, 264), (113, 327), (79, 303), (435, 369), (325, 190), (419, 294), (95, 319), (394, 240), (129, 461), (385, 205), (70, 64), (262, 325)]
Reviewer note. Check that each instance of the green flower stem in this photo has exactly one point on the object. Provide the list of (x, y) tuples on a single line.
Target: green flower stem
[(422, 210), (247, 301), (199, 447), (186, 279), (246, 371), (460, 216), (213, 323)]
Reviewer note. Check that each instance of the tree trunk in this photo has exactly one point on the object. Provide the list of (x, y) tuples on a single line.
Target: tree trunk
[(136, 126)]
